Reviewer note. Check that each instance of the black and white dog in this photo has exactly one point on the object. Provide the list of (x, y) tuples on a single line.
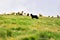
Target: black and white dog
[(34, 16)]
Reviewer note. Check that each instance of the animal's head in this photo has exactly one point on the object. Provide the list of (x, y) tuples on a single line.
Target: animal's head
[(31, 14)]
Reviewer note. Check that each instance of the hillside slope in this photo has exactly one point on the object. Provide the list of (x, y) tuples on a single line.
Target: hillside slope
[(14, 27)]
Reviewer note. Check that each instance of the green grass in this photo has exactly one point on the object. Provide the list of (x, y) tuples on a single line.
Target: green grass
[(15, 27)]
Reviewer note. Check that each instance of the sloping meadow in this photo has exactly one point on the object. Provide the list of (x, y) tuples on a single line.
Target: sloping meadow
[(15, 27)]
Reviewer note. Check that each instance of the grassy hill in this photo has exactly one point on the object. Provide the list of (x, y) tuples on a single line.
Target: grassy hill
[(14, 27)]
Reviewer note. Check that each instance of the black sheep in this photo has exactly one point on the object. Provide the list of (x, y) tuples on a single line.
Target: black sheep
[(34, 16)]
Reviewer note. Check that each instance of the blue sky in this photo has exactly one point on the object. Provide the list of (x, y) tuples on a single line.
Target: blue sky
[(45, 7)]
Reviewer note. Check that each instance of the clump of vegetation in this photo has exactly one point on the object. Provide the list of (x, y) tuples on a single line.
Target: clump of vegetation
[(47, 35), (18, 28), (28, 38), (25, 39), (32, 38), (9, 33), (2, 34)]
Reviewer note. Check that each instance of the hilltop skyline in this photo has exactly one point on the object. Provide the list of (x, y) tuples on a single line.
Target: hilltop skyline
[(45, 7)]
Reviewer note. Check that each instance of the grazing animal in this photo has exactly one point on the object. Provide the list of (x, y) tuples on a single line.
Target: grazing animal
[(28, 14), (18, 13), (52, 17), (24, 14), (40, 15), (21, 13), (13, 13), (8, 14), (48, 16), (58, 16), (34, 16)]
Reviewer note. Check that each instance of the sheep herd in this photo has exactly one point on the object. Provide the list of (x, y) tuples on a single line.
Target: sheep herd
[(27, 14)]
